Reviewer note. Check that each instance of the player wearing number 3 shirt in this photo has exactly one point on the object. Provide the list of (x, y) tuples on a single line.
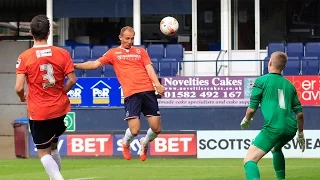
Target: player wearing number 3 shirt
[(135, 73), (44, 68), (279, 101)]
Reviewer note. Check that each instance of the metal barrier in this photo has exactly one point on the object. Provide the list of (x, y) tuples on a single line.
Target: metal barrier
[(218, 67), (294, 66)]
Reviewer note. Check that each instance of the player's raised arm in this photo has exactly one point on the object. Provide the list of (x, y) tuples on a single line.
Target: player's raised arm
[(91, 65)]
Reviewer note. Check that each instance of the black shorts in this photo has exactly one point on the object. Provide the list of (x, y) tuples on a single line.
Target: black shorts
[(46, 132), (145, 102)]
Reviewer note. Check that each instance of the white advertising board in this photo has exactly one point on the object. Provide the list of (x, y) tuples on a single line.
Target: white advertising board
[(235, 144)]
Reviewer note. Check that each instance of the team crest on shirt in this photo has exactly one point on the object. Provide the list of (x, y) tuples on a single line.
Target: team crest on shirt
[(18, 63), (138, 51)]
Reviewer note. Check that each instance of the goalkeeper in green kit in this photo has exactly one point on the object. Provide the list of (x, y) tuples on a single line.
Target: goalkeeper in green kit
[(279, 100)]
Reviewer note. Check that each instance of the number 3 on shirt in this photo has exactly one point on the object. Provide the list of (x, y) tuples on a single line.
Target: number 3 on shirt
[(48, 76), (282, 103)]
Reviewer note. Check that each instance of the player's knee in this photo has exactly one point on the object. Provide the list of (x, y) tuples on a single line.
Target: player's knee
[(134, 131), (157, 130), (43, 152), (54, 146)]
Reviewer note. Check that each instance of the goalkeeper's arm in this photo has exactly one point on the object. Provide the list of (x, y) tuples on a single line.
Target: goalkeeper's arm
[(297, 109), (300, 122)]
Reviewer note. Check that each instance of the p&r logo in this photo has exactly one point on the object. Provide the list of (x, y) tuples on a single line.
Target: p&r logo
[(100, 93), (75, 94)]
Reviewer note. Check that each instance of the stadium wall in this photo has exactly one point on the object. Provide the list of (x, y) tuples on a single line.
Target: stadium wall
[(10, 107)]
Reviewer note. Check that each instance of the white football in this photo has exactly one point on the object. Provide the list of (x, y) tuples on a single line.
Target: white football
[(169, 26)]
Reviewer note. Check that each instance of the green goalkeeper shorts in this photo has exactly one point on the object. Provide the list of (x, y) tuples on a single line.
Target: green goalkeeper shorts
[(267, 139)]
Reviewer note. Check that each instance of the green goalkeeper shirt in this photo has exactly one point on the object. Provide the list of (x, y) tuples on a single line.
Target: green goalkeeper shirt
[(278, 99)]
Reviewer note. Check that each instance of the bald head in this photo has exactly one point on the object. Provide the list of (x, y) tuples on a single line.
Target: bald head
[(126, 28), (278, 60), (126, 37)]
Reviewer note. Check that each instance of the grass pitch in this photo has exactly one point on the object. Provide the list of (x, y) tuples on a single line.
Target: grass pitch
[(167, 169)]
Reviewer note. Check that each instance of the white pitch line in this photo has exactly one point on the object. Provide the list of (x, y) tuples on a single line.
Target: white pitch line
[(161, 166), (166, 166), (86, 178)]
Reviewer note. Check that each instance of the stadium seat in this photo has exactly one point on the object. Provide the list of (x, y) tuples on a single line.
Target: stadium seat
[(265, 65), (156, 51), (98, 51), (109, 71), (155, 64), (78, 72), (82, 52), (292, 67), (310, 66), (114, 46), (142, 46), (68, 48), (312, 49), (175, 51), (168, 67), (295, 50), (94, 73), (77, 60), (273, 47)]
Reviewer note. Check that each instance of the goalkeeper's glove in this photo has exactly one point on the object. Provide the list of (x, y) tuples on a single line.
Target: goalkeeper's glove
[(301, 140), (245, 123)]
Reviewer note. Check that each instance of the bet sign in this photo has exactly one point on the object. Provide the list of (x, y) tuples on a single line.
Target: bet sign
[(90, 145), (174, 145)]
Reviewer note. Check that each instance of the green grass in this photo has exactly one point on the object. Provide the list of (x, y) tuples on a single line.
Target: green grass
[(167, 169)]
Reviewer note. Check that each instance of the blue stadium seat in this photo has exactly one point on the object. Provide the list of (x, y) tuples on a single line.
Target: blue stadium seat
[(273, 47), (295, 50), (292, 67), (175, 51), (94, 73), (168, 67), (156, 51), (115, 46), (265, 65), (78, 60), (312, 49), (155, 64), (98, 51), (109, 71), (142, 46), (78, 72), (82, 52), (310, 66), (68, 48)]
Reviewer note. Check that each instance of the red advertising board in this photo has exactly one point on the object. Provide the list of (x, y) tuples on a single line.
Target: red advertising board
[(308, 89), (90, 145), (174, 145)]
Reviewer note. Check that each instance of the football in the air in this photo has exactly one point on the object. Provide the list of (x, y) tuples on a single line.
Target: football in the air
[(169, 26)]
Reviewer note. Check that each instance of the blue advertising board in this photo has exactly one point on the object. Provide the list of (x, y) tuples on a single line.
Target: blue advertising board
[(134, 145), (96, 92), (62, 146)]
